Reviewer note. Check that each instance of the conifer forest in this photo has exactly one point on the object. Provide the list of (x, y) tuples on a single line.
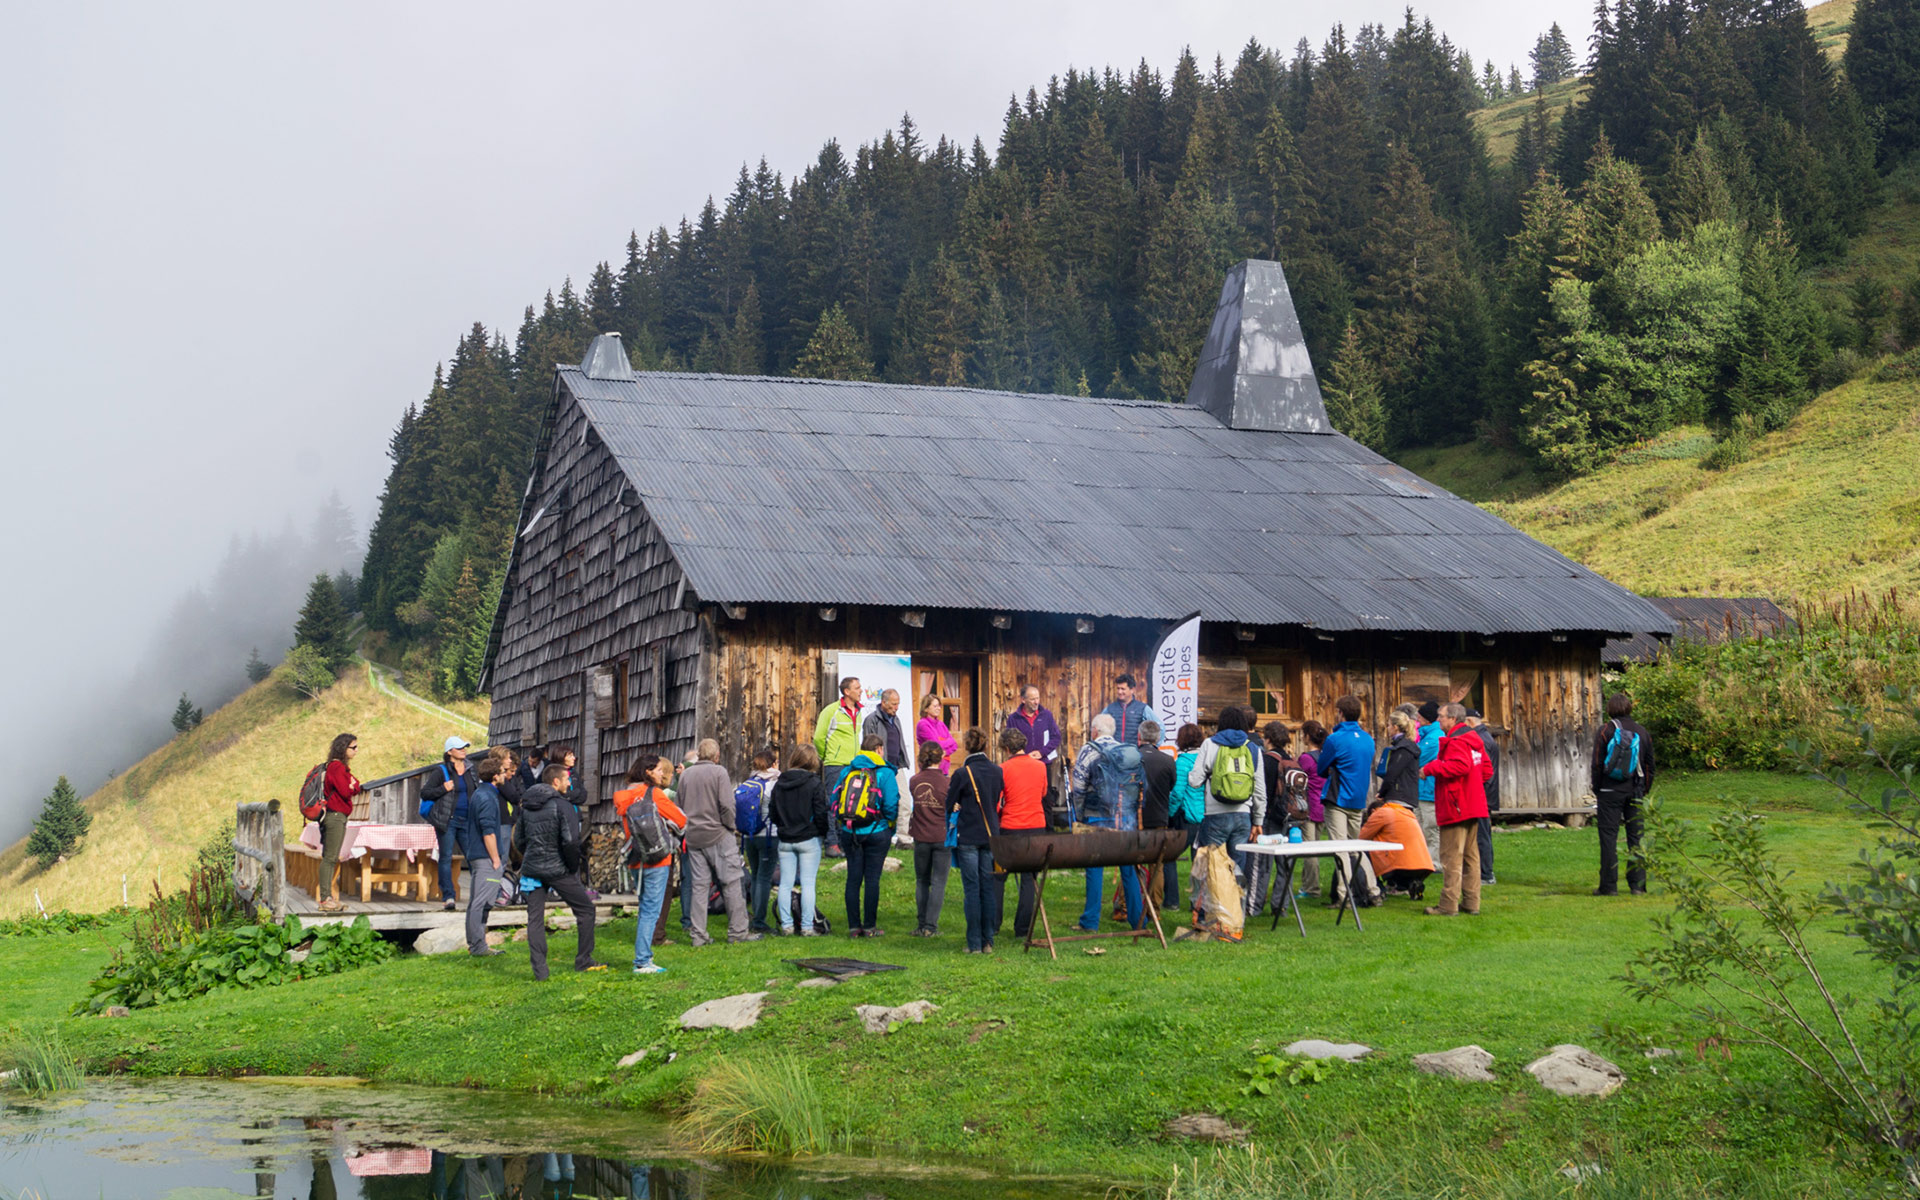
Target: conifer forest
[(1638, 262)]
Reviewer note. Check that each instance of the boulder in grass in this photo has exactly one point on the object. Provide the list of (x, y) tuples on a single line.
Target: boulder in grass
[(729, 1012), (1462, 1062), (878, 1018), (631, 1060), (441, 939), (1569, 1070), (1205, 1127), (1318, 1048)]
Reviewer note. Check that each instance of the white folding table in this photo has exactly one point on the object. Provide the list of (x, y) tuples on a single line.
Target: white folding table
[(1346, 850)]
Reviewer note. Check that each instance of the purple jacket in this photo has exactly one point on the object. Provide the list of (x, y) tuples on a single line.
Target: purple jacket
[(1042, 731)]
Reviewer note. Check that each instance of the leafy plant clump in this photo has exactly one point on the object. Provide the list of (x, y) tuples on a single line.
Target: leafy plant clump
[(1269, 1070), (60, 921), (37, 1062), (240, 956)]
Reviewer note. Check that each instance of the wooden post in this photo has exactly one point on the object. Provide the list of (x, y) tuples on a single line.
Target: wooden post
[(276, 848)]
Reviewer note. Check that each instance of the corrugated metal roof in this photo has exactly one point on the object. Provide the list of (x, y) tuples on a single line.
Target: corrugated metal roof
[(816, 492)]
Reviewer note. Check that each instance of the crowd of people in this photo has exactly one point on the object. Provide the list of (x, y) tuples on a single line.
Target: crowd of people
[(753, 849)]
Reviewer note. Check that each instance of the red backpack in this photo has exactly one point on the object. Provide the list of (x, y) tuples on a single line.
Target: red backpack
[(313, 793)]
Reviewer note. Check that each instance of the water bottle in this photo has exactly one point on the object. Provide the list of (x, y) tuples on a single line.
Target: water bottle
[(1293, 835)]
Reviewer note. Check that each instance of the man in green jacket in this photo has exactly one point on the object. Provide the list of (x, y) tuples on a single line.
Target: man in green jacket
[(836, 735)]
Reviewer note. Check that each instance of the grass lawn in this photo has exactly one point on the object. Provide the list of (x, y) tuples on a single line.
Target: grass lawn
[(1076, 1065)]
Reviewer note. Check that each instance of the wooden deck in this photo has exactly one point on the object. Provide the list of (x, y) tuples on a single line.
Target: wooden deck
[(412, 915)]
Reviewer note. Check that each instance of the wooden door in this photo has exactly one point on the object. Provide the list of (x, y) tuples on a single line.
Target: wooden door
[(956, 681)]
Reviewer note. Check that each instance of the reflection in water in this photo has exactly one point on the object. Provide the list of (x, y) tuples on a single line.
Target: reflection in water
[(215, 1140)]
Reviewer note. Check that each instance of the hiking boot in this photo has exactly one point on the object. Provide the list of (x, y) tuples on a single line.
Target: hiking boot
[(876, 931), (1604, 892), (1438, 912), (748, 937), (449, 906)]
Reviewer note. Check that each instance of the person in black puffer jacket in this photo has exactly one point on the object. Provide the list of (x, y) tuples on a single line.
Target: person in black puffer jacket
[(802, 817), (1400, 772), (551, 854)]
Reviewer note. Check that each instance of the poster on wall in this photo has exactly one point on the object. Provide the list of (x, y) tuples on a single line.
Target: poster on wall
[(1173, 680), (877, 674)]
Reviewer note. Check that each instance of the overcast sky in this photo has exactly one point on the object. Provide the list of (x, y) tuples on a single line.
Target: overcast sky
[(235, 239)]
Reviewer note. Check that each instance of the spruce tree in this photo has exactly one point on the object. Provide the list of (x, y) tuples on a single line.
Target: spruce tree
[(257, 668), (1355, 403), (63, 821), (1883, 65), (1779, 339), (322, 625), (1552, 57), (183, 715), (746, 349), (835, 351)]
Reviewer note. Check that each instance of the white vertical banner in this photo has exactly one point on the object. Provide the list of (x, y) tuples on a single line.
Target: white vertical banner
[(1173, 680)]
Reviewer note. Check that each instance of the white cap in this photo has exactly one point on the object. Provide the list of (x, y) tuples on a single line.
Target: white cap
[(456, 742)]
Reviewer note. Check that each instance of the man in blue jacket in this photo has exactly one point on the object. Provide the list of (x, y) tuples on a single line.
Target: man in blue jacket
[(1347, 762), (1127, 710)]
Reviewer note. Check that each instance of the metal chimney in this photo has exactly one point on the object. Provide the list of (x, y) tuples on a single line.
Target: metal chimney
[(1255, 372), (607, 359)]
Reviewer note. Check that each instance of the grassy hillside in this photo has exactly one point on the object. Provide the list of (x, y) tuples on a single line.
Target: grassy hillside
[(1832, 23), (149, 821), (1829, 503)]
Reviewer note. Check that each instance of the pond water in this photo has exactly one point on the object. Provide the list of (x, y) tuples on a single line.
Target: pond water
[(316, 1140)]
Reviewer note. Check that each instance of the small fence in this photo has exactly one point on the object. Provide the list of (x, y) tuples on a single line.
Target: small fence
[(260, 857)]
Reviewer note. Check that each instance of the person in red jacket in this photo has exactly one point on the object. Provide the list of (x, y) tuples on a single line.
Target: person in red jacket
[(338, 790), (1459, 801)]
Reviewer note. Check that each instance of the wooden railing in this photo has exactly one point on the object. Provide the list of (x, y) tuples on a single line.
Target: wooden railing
[(260, 856)]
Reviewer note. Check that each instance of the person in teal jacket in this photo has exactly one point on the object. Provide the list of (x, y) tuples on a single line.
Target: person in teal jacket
[(1429, 750), (866, 843)]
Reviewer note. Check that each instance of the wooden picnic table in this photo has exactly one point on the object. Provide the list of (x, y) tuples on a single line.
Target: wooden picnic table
[(396, 858)]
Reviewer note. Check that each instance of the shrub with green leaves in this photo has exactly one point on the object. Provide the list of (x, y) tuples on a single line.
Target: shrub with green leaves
[(239, 956), (60, 921), (1738, 703)]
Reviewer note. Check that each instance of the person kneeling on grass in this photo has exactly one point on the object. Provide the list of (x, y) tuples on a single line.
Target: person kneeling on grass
[(646, 791), (1402, 872), (550, 862)]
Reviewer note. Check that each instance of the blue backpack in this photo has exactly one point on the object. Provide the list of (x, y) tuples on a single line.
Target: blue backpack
[(750, 808), (1121, 781), (1622, 760)]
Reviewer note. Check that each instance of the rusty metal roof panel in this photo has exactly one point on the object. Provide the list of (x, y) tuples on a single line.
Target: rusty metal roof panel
[(817, 492)]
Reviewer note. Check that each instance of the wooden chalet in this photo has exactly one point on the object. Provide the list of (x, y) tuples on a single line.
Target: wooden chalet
[(696, 552)]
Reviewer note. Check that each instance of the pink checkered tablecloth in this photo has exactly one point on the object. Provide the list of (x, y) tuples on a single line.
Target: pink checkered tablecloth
[(399, 1160), (363, 836)]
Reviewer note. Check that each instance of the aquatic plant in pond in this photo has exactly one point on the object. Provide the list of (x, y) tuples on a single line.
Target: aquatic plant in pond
[(762, 1106), (36, 1061)]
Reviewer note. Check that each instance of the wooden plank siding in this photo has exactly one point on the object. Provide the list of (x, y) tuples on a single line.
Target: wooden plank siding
[(766, 679), (592, 586)]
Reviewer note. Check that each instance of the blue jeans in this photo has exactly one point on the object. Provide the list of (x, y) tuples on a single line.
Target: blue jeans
[(799, 863), (1097, 882), (980, 895), (653, 898), (1229, 830), (448, 844), (866, 856), (763, 862)]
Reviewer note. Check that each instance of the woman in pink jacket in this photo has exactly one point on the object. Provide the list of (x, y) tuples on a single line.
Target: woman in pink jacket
[(932, 729)]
